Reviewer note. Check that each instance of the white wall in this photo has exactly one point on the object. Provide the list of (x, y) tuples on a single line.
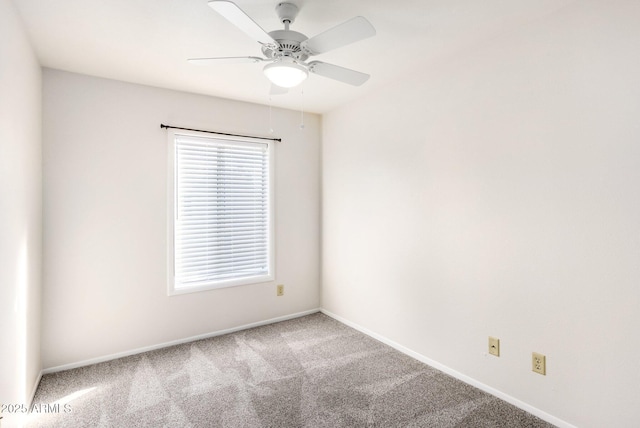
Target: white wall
[(498, 193), (105, 208), (20, 213)]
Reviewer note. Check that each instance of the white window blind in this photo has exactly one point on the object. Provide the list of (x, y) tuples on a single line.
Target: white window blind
[(222, 212)]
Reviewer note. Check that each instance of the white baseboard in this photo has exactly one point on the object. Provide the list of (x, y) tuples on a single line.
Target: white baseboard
[(462, 377), (35, 388), (174, 342)]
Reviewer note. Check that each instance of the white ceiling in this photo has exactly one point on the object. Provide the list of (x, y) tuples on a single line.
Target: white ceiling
[(148, 41)]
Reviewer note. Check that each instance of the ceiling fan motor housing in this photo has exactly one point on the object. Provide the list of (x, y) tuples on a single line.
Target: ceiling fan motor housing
[(288, 45)]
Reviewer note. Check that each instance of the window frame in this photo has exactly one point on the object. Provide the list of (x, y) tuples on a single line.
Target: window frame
[(172, 214)]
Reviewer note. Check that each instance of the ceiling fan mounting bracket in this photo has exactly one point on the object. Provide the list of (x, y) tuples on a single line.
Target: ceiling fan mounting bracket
[(287, 12)]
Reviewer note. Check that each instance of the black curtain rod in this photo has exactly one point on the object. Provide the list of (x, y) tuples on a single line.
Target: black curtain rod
[(162, 125)]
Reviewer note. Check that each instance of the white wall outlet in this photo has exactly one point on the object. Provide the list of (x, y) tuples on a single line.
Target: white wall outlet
[(280, 290)]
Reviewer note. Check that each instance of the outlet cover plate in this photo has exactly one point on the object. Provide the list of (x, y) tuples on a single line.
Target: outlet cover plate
[(539, 363), (494, 346)]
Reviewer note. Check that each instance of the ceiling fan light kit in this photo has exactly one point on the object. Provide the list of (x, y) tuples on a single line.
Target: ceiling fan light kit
[(287, 50), (285, 73)]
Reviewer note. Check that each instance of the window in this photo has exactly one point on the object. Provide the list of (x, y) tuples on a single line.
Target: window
[(221, 226)]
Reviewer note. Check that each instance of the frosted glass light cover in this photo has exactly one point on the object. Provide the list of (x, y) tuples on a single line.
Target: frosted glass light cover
[(285, 74)]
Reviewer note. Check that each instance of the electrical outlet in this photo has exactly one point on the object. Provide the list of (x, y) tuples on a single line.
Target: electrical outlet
[(539, 363), (494, 346), (280, 290)]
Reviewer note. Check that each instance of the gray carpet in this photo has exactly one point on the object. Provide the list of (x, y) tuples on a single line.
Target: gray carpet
[(307, 372)]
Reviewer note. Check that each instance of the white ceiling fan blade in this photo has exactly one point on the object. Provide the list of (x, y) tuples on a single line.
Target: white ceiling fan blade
[(346, 33), (237, 17), (278, 90), (336, 72), (225, 60)]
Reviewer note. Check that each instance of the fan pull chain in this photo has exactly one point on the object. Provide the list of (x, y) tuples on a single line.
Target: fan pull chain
[(270, 116), (302, 110)]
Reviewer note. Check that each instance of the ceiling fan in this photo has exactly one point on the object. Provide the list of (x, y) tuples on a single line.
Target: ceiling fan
[(287, 51)]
